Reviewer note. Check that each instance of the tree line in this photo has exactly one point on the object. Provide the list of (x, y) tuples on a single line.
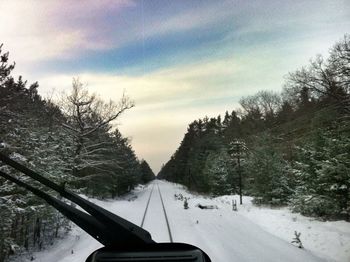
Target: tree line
[(296, 143), (71, 142)]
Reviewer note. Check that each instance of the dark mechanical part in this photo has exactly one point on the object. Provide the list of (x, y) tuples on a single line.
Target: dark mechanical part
[(174, 252)]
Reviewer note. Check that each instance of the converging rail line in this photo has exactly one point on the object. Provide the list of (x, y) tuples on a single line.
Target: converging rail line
[(153, 208), (146, 209), (165, 215)]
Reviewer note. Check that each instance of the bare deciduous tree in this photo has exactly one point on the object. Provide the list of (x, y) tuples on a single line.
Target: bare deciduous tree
[(266, 103), (87, 114), (328, 80)]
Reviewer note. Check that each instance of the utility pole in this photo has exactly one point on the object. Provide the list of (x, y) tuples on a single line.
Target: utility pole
[(236, 149), (239, 173)]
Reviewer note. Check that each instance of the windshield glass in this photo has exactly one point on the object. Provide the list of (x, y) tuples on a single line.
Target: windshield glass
[(223, 125)]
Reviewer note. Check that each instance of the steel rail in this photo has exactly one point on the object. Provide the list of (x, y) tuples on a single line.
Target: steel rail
[(165, 215), (146, 209)]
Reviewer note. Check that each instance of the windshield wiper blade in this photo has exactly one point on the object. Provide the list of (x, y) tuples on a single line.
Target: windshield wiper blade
[(114, 231), (82, 219)]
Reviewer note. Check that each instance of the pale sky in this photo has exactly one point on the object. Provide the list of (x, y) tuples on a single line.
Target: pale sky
[(179, 60)]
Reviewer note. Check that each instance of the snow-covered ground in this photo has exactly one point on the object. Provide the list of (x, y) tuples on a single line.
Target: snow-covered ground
[(250, 234), (329, 239)]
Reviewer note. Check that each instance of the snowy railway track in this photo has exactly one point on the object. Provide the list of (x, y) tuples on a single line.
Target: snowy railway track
[(154, 207), (146, 209), (165, 215)]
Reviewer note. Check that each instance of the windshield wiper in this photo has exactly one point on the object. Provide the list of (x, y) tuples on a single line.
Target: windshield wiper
[(106, 227), (122, 240)]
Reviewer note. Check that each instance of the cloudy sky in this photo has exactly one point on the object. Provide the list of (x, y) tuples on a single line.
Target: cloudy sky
[(179, 60)]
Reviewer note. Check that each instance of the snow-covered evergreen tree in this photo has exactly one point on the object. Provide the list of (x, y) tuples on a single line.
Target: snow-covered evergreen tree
[(146, 172), (323, 175), (217, 169), (271, 174), (32, 132)]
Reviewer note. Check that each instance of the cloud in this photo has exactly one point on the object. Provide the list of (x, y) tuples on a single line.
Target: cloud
[(42, 30), (194, 17), (56, 31), (37, 30), (180, 83), (167, 100)]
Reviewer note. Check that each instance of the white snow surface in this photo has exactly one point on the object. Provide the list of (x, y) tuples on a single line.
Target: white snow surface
[(250, 234)]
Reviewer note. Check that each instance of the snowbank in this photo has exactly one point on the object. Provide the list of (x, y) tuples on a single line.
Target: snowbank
[(330, 239)]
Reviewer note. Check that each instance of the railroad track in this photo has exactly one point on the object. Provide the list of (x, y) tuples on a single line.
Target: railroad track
[(151, 199), (146, 209)]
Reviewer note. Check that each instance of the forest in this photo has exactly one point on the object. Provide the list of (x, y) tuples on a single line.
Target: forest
[(71, 141), (293, 146)]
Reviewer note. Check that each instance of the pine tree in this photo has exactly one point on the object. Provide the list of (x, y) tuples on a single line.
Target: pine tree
[(322, 172), (31, 132), (271, 174), (147, 174), (217, 171)]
